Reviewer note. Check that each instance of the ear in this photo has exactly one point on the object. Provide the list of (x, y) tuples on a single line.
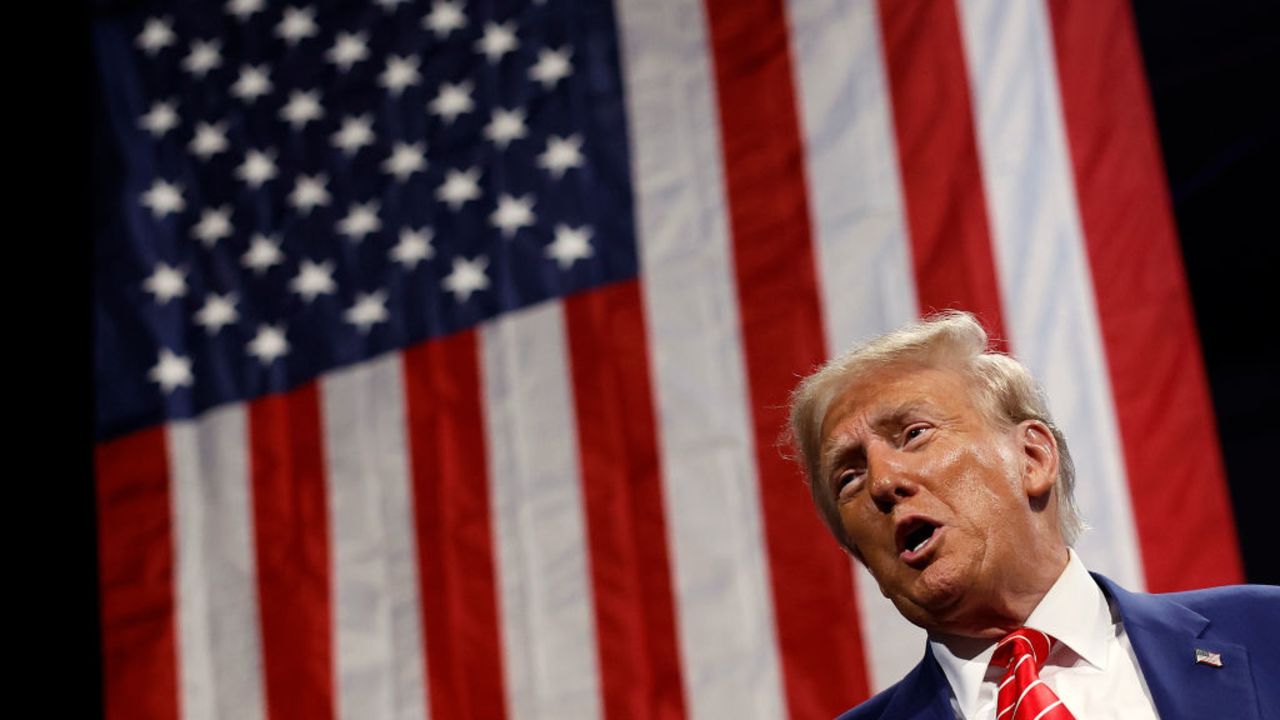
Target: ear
[(1039, 457)]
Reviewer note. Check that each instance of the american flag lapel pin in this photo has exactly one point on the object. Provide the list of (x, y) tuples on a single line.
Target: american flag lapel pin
[(1204, 657)]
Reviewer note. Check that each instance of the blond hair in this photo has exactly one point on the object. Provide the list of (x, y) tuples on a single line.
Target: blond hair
[(1004, 389)]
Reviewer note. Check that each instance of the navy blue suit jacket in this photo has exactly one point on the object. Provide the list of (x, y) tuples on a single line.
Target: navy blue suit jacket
[(1241, 622)]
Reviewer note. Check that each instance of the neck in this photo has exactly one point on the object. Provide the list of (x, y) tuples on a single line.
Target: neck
[(1006, 606)]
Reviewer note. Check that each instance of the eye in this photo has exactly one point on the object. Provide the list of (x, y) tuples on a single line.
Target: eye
[(914, 432), (848, 482)]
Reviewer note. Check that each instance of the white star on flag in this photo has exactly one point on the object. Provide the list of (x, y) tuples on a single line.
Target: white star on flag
[(309, 193), (552, 67), (160, 119), (348, 49), (400, 73), (467, 277), (512, 214), (166, 282), (368, 310), (498, 40), (214, 225), (505, 126), (452, 100), (302, 108), (297, 25), (355, 133), (313, 280), (414, 247), (263, 252), (217, 312), (257, 168), (459, 187), (445, 17), (205, 55), (570, 245), (269, 343), (405, 160), (172, 371), (209, 140), (163, 198), (360, 221), (252, 83), (156, 35), (561, 154), (243, 9)]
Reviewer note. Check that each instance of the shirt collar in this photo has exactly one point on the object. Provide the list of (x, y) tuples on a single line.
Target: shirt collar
[(1074, 611)]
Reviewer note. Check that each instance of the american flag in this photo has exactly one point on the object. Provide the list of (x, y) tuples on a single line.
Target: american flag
[(442, 348)]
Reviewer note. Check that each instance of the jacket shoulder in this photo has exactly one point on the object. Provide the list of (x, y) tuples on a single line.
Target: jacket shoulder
[(923, 693), (1228, 599), (1237, 613), (875, 706), (1247, 612)]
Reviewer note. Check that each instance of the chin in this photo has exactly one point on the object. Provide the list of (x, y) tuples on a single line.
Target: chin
[(936, 595)]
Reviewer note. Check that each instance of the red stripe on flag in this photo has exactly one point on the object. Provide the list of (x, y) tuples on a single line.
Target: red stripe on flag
[(291, 530), (622, 494), (135, 551), (782, 340), (938, 156), (454, 536), (1182, 512)]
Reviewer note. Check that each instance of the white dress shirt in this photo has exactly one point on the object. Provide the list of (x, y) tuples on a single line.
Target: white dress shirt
[(1092, 667)]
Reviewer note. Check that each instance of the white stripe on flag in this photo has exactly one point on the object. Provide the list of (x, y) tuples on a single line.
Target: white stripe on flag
[(892, 645), (723, 598), (548, 626), (1045, 283), (861, 245), (377, 635), (219, 646), (860, 230)]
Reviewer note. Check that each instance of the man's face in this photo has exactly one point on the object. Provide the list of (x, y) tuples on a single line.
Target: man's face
[(948, 511)]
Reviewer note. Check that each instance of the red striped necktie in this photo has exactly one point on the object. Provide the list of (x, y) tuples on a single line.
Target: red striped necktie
[(1021, 694)]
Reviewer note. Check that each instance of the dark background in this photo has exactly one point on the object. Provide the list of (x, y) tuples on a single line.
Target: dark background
[(1212, 70)]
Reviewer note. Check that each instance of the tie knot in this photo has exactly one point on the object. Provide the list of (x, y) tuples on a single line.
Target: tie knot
[(1021, 643)]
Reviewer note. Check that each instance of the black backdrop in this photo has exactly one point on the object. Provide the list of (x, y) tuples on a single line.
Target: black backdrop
[(1212, 69)]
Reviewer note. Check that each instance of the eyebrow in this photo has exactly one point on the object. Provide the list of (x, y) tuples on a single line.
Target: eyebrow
[(892, 416), (895, 415)]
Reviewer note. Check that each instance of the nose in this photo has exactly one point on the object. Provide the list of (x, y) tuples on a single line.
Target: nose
[(890, 482)]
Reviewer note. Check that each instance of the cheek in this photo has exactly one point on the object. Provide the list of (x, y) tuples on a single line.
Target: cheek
[(861, 527), (946, 464), (854, 527), (985, 488)]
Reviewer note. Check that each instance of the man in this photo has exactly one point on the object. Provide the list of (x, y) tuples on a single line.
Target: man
[(937, 465)]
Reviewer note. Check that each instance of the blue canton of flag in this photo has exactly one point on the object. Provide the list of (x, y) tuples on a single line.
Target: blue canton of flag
[(286, 190)]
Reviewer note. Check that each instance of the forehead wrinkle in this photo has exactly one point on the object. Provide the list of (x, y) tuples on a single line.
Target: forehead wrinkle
[(835, 449), (867, 401), (893, 416), (880, 421), (839, 444)]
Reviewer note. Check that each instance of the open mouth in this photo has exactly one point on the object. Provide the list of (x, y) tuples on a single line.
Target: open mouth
[(915, 536)]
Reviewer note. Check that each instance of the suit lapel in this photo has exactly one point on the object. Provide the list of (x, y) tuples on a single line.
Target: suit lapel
[(923, 694), (1165, 637)]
